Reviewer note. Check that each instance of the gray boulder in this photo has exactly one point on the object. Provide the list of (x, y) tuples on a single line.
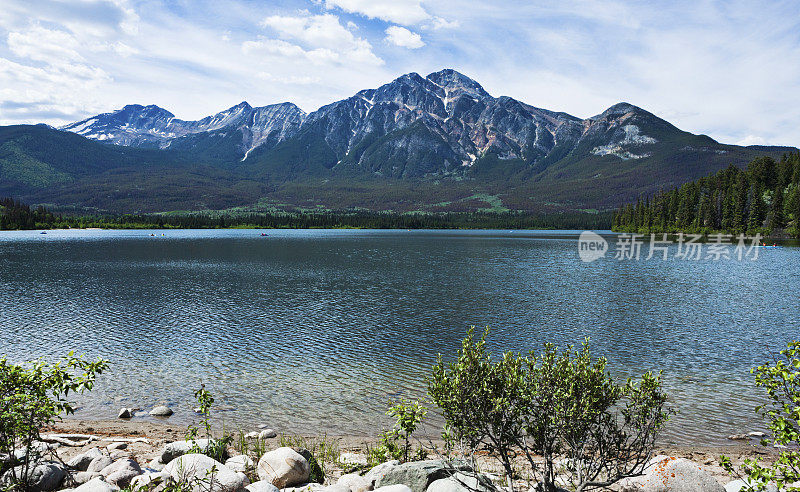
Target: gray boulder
[(394, 488), (40, 477), (82, 461), (379, 471), (355, 482), (670, 474), (305, 487), (84, 476), (336, 487), (284, 467), (204, 474), (262, 486), (118, 454), (179, 448), (125, 413), (97, 464), (34, 452), (161, 411), (96, 485), (240, 463), (147, 479), (155, 464), (461, 482), (267, 434), (417, 475), (120, 473)]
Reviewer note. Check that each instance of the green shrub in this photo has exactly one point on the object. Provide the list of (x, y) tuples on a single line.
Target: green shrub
[(554, 406), (782, 410), (395, 444), (32, 396), (217, 448), (408, 415), (477, 400)]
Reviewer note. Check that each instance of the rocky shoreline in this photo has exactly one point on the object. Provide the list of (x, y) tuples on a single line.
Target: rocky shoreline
[(106, 456)]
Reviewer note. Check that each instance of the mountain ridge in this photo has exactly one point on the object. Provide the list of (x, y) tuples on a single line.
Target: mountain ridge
[(433, 143), (438, 99)]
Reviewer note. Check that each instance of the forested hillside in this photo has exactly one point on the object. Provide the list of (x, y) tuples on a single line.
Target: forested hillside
[(764, 198), (15, 215)]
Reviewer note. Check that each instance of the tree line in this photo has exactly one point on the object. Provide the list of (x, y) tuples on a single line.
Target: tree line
[(762, 199), (15, 215)]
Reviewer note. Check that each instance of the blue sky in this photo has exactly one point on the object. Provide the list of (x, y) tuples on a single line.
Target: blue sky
[(727, 69)]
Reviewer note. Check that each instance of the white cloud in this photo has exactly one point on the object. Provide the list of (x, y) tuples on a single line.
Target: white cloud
[(289, 79), (265, 46), (326, 37), (442, 23), (405, 12), (400, 36), (45, 45)]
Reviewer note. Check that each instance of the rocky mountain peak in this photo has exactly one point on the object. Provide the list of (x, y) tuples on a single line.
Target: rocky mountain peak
[(617, 110), (457, 83)]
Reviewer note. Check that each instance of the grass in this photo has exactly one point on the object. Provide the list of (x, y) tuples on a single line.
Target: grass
[(253, 448), (324, 452)]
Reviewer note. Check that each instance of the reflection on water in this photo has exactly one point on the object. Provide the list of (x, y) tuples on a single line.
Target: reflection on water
[(314, 331)]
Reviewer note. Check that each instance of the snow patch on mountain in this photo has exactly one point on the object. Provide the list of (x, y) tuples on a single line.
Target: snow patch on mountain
[(633, 137)]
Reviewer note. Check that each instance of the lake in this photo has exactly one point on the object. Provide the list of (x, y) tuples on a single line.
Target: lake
[(315, 331)]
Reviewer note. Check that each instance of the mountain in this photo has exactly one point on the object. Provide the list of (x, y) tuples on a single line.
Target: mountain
[(439, 142), (155, 127)]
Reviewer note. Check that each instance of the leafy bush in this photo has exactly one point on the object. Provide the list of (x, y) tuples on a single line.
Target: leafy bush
[(395, 444), (555, 406), (33, 396), (217, 448), (782, 382), (478, 401)]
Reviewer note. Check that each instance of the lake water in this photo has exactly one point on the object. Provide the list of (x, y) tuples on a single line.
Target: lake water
[(315, 331)]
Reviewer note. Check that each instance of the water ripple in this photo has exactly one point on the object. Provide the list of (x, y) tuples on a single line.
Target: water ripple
[(315, 331)]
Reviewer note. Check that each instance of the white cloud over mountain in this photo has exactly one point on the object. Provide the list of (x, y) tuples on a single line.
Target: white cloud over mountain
[(398, 11), (400, 36)]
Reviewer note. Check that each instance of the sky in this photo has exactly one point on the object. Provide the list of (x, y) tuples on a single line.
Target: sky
[(728, 69)]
